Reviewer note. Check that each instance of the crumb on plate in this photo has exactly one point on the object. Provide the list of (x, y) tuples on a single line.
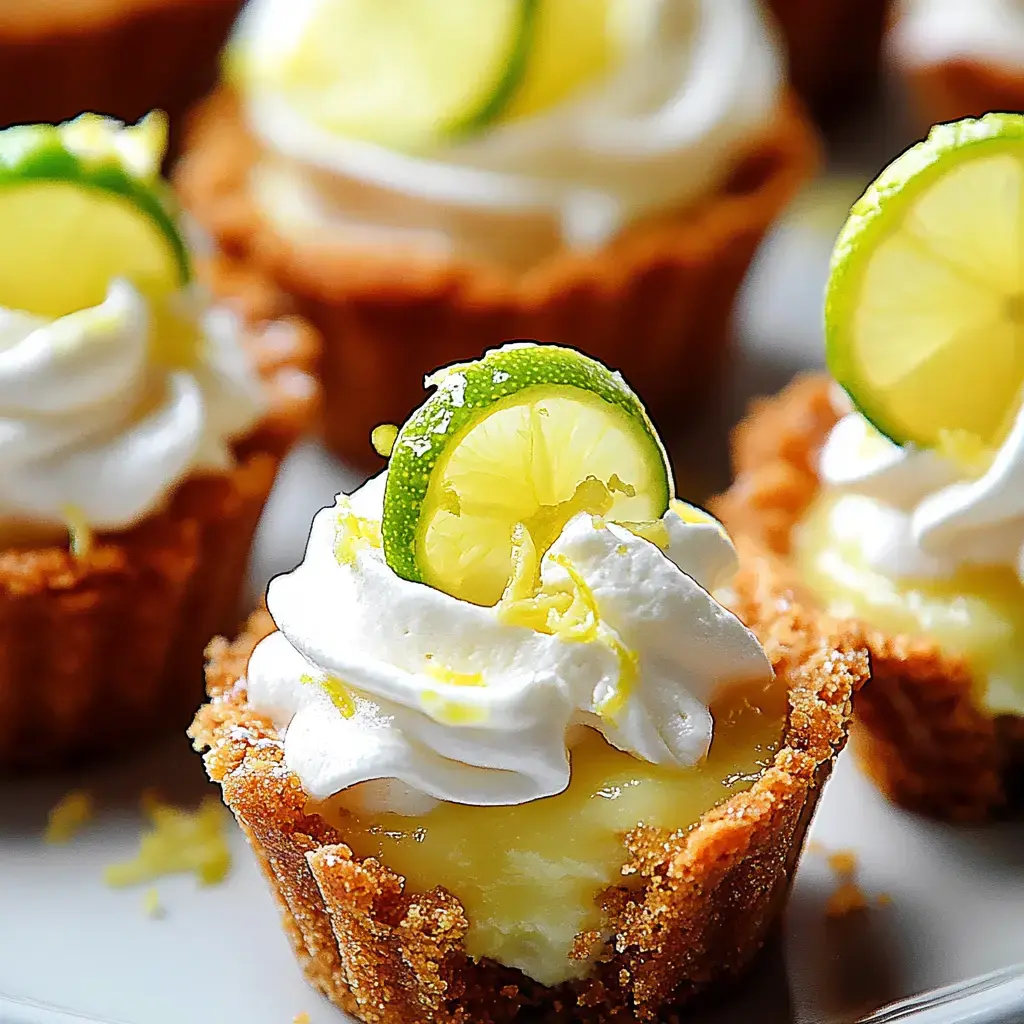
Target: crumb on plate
[(301, 1018), (151, 905), (179, 841), (843, 863), (847, 898), (68, 816)]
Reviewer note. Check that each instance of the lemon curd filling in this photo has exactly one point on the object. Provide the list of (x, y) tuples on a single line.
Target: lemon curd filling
[(977, 613), (530, 875)]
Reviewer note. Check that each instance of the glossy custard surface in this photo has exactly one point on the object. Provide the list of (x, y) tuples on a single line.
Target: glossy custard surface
[(978, 613), (530, 875)]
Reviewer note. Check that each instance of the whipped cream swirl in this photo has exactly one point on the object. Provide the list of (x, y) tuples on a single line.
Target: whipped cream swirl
[(927, 517), (93, 425), (397, 696), (932, 31), (700, 79)]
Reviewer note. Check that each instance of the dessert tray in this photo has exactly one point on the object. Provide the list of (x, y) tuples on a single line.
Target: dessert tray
[(941, 905)]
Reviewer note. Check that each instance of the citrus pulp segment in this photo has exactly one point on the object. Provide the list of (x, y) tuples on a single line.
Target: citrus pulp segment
[(527, 435), (925, 304), (74, 221)]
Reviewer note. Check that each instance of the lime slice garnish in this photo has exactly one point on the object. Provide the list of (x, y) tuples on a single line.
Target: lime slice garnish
[(572, 43), (924, 313), (527, 436), (80, 205), (405, 73)]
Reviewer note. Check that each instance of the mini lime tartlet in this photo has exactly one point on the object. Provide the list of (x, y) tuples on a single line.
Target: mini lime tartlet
[(598, 174), (896, 495), (495, 744), (141, 427)]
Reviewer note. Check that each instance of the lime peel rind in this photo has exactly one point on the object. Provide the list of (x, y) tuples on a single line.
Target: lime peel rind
[(505, 91), (871, 219), (466, 392)]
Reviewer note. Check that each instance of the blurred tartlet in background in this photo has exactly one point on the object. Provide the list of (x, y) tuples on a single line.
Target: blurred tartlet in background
[(834, 49), (118, 57), (895, 487), (960, 59), (505, 741), (138, 418), (598, 174)]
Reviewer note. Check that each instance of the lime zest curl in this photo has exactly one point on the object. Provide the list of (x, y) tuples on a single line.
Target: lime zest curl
[(353, 533), (340, 695)]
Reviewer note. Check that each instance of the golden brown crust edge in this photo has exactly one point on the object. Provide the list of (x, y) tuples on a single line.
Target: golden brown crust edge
[(656, 302), (917, 731), (101, 650), (950, 90), (708, 896), (834, 50)]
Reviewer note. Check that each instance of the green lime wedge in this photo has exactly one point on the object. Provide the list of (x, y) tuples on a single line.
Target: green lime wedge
[(406, 74), (529, 434), (572, 43), (924, 311), (80, 205), (399, 73)]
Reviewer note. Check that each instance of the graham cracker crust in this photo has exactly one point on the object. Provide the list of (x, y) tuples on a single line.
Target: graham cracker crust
[(707, 896), (656, 302), (918, 732), (102, 649)]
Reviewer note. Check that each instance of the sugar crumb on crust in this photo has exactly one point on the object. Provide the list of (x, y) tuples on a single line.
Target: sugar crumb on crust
[(701, 909), (918, 732), (97, 648)]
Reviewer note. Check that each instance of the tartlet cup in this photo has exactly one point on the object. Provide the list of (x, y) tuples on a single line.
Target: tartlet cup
[(918, 730), (656, 302), (117, 57), (699, 902), (834, 49), (107, 644), (961, 87)]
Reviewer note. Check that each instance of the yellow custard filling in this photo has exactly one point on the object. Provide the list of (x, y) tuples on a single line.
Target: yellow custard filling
[(977, 613), (530, 875)]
